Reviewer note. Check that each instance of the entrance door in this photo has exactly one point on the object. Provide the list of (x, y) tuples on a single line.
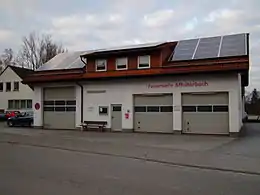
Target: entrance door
[(116, 117)]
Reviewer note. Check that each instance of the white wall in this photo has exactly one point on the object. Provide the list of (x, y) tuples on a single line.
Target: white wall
[(241, 107), (121, 92), (38, 114), (25, 92)]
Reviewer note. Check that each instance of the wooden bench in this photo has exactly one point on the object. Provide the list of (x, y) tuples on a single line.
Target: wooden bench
[(94, 124)]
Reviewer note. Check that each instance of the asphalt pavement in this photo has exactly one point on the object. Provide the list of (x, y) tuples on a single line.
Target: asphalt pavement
[(32, 170), (68, 162)]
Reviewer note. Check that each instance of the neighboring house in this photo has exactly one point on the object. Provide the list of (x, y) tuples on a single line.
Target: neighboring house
[(13, 94), (190, 86)]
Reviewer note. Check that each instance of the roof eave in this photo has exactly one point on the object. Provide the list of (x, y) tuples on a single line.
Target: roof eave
[(122, 51)]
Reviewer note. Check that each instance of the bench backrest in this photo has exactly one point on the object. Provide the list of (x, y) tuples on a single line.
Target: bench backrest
[(96, 122)]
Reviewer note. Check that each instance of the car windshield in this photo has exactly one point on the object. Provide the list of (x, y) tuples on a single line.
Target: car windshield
[(25, 114), (21, 114)]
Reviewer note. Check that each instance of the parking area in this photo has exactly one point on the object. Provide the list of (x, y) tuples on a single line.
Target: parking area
[(200, 143), (213, 152)]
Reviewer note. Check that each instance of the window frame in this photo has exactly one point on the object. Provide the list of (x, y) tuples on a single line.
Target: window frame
[(96, 65), (10, 102), (149, 62), (103, 107), (2, 86), (31, 102), (6, 86), (25, 104), (17, 106), (18, 84), (126, 64)]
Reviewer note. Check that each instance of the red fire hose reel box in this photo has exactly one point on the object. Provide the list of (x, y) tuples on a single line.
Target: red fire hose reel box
[(126, 115)]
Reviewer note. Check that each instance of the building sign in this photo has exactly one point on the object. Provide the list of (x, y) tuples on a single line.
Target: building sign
[(180, 84)]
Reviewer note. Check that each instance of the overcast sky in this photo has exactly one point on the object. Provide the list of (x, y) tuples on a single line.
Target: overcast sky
[(87, 24)]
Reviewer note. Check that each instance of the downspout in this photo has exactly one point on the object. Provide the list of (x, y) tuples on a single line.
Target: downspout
[(82, 92), (82, 101)]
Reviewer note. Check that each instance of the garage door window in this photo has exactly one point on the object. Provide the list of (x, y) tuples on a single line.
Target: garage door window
[(189, 108), (166, 109), (60, 109), (204, 108), (140, 109), (71, 102), (48, 103), (60, 105), (70, 109), (49, 109), (60, 102), (153, 109), (220, 108)]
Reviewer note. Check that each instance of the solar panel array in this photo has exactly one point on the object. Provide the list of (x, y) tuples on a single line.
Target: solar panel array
[(185, 49), (234, 45), (69, 60), (211, 47)]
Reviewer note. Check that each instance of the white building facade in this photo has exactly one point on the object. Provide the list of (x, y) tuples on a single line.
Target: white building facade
[(13, 94), (203, 104)]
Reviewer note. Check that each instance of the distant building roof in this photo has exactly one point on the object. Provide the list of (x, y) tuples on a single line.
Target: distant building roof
[(21, 72)]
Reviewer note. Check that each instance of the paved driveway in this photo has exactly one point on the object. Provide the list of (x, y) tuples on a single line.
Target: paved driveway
[(164, 141), (210, 152)]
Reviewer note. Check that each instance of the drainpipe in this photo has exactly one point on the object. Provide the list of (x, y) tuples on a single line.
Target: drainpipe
[(82, 101), (81, 92)]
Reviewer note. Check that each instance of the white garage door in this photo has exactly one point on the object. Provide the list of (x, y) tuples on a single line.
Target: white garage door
[(205, 113), (153, 113), (59, 108)]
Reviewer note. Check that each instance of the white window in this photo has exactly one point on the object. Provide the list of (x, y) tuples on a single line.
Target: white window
[(101, 65), (143, 62), (16, 86), (121, 63)]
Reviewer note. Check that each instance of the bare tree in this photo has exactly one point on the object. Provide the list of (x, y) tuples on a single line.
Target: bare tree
[(37, 50), (7, 58)]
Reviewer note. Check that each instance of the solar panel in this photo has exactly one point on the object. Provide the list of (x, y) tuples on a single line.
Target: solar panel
[(208, 48), (233, 45), (61, 61), (185, 49)]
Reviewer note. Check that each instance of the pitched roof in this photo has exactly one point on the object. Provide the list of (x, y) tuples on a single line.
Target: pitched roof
[(67, 60), (125, 47), (21, 72)]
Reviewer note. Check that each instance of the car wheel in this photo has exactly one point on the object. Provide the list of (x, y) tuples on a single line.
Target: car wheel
[(30, 124), (10, 124)]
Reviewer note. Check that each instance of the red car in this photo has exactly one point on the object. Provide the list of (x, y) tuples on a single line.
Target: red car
[(11, 114)]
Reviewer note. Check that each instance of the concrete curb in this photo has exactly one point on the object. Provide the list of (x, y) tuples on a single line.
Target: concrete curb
[(147, 159)]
